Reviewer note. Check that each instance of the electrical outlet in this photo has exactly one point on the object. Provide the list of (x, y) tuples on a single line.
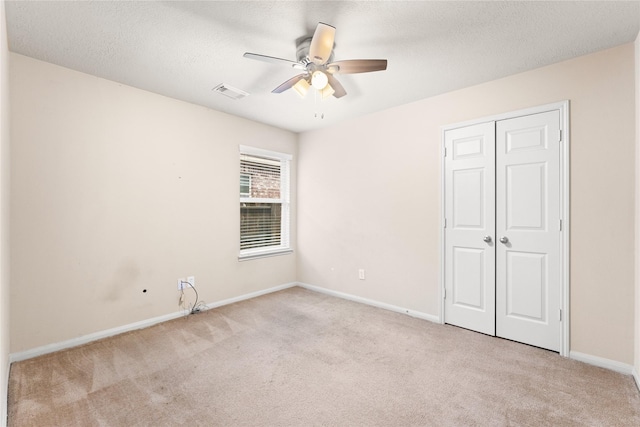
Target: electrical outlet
[(181, 284), (361, 274), (192, 280)]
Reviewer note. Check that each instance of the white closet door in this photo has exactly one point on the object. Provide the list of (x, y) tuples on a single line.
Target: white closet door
[(528, 229), (469, 229)]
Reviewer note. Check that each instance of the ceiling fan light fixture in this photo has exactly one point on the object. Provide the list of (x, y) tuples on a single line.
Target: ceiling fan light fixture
[(327, 91), (315, 58), (319, 80), (302, 87)]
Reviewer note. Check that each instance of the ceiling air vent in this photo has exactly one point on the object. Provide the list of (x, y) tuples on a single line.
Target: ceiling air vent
[(230, 92)]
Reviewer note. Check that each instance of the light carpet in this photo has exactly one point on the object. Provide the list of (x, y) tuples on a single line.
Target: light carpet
[(300, 358)]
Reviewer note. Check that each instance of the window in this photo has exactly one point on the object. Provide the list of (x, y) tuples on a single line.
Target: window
[(264, 203), (245, 185)]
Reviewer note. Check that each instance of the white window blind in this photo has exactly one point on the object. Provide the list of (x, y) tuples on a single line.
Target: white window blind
[(264, 202), (245, 185)]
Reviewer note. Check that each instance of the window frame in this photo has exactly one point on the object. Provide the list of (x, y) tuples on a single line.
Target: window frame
[(284, 201)]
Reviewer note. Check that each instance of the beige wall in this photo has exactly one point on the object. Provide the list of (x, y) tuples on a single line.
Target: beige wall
[(637, 223), (4, 216), (369, 195), (113, 193), (116, 190)]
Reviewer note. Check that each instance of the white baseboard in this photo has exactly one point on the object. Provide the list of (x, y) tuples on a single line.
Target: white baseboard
[(601, 362), (251, 295), (582, 357), (74, 342), (84, 339), (412, 313)]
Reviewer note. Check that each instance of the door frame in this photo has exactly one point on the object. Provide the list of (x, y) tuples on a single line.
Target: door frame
[(563, 107)]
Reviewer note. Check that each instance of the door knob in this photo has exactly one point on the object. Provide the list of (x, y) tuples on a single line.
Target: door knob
[(504, 239), (487, 239)]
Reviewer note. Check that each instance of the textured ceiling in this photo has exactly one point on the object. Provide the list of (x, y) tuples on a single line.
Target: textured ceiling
[(184, 49)]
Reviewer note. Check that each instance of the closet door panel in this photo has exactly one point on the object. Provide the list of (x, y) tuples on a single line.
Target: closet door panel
[(469, 231), (528, 229)]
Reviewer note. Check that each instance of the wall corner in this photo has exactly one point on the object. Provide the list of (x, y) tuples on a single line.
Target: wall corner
[(636, 359), (4, 216)]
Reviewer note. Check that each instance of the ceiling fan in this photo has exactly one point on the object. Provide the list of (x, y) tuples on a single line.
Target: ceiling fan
[(315, 56)]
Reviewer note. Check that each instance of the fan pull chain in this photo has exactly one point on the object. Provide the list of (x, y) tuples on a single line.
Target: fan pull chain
[(317, 115)]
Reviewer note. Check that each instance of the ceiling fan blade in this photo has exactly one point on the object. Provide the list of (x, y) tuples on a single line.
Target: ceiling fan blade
[(289, 83), (322, 43), (353, 66), (273, 60), (339, 91)]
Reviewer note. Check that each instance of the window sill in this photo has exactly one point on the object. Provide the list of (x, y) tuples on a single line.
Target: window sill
[(264, 254)]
